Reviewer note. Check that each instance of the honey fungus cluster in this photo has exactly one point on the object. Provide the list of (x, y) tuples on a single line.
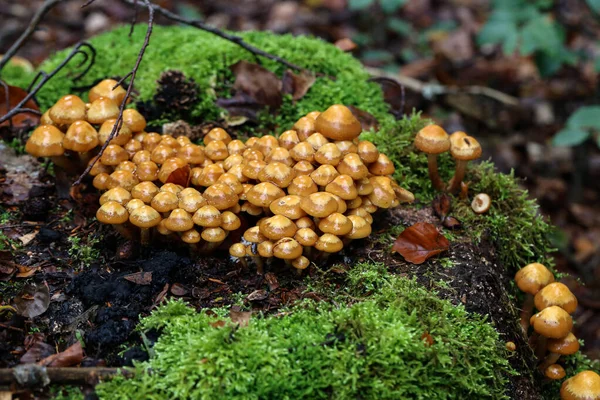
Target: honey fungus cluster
[(307, 192)]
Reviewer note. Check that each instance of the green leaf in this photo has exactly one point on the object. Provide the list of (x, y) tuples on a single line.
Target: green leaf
[(496, 31), (570, 136), (585, 117), (399, 26), (541, 34), (391, 6), (594, 5), (356, 5)]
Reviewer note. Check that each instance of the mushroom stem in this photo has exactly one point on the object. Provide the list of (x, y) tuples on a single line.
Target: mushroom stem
[(434, 176), (209, 247), (145, 236), (540, 348), (550, 359), (125, 231), (259, 265), (526, 312), (459, 174), (464, 191), (65, 163)]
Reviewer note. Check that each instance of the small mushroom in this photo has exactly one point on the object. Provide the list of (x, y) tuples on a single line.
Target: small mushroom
[(583, 386), (145, 217), (554, 372), (433, 140), (531, 279), (481, 203), (463, 149), (338, 123), (557, 347), (238, 252)]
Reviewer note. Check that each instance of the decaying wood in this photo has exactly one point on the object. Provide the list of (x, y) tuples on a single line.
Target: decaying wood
[(35, 376)]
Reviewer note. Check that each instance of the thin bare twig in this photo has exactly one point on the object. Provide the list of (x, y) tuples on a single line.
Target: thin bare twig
[(37, 17), (232, 38), (430, 90), (78, 49), (132, 74)]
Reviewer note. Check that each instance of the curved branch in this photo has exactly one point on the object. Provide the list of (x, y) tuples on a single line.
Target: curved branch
[(132, 74), (78, 49)]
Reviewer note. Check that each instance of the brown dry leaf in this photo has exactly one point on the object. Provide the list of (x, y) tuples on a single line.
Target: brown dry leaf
[(181, 176), (139, 278), (33, 300), (427, 339), (297, 84), (242, 318), (258, 295), (345, 44), (160, 296), (271, 281), (37, 351), (217, 324), (442, 205), (367, 120), (73, 355), (25, 272), (420, 242), (178, 289), (15, 95), (255, 88), (25, 239), (393, 94), (451, 223)]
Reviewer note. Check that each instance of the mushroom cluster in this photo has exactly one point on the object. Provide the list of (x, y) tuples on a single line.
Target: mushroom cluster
[(308, 192), (434, 140), (552, 325)]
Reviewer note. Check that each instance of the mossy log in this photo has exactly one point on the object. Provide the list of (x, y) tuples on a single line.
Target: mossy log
[(384, 328)]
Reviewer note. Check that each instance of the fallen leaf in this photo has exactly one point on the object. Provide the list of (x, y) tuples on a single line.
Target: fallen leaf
[(451, 223), (420, 242), (25, 272), (367, 120), (178, 289), (73, 355), (217, 324), (25, 239), (345, 44), (297, 84), (160, 296), (258, 295), (426, 337), (15, 95), (139, 278), (442, 205), (32, 301), (242, 318), (181, 176), (271, 281), (393, 94), (36, 351)]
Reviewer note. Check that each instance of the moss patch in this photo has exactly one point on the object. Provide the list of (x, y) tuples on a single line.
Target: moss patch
[(207, 58), (373, 350)]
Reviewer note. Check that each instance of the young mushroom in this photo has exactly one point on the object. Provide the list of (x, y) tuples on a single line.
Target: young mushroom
[(531, 279), (554, 372), (583, 386), (481, 203), (433, 140), (463, 149), (560, 347)]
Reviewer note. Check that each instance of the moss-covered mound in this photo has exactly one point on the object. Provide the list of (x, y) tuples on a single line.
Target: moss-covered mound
[(403, 342), (206, 58)]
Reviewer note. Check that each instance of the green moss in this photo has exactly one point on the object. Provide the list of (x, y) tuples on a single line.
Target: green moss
[(370, 350), (207, 58)]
